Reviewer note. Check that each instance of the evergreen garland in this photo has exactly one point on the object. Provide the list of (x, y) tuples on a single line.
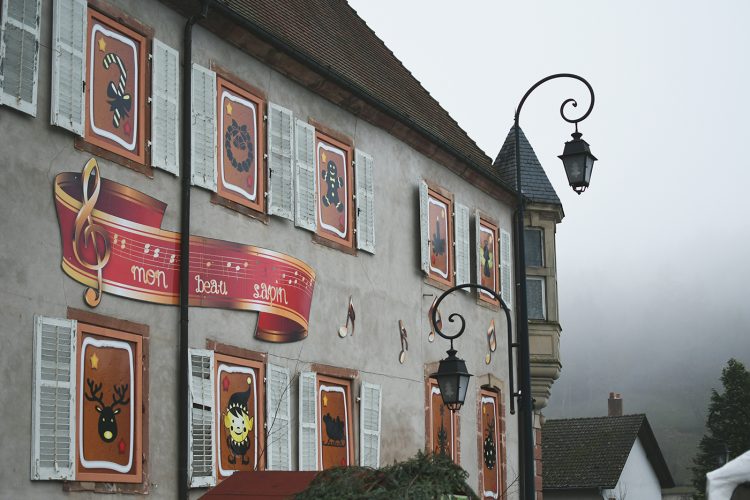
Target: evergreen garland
[(421, 477)]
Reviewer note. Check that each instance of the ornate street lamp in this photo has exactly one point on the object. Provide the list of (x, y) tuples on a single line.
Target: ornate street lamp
[(578, 162)]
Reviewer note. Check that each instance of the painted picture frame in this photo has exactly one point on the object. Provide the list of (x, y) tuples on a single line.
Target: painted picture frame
[(440, 223), (334, 182), (488, 258), (335, 433)]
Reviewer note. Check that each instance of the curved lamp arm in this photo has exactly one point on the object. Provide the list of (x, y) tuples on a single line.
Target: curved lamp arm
[(565, 102), (457, 316)]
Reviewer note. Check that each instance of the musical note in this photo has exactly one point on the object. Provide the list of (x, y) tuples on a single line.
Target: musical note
[(146, 248), (344, 330), (171, 259), (84, 226), (156, 253), (404, 342), (491, 342), (122, 244), (431, 333)]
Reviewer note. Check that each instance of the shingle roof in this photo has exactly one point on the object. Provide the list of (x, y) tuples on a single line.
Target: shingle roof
[(330, 35), (584, 453), (534, 182)]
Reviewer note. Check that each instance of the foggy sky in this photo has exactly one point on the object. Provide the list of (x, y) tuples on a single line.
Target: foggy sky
[(653, 259)]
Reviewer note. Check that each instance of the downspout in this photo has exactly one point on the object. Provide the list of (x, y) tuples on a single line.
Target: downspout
[(183, 361)]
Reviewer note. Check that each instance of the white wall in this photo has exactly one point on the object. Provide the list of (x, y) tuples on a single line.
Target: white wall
[(638, 480)]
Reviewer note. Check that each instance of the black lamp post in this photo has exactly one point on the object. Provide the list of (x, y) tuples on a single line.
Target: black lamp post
[(452, 375), (578, 162)]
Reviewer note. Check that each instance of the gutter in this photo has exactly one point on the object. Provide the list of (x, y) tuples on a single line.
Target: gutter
[(184, 338)]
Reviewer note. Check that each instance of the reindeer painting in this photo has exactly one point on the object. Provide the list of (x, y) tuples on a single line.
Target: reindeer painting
[(107, 413)]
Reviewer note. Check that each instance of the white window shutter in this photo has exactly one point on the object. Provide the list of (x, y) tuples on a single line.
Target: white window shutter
[(19, 54), (369, 426), (477, 249), (279, 431), (165, 110), (69, 65), (306, 206), (53, 400), (280, 161), (424, 226), (308, 421), (463, 258), (506, 282), (203, 128), (201, 452), (365, 201)]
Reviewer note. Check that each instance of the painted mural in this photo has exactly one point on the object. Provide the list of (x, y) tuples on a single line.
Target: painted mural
[(113, 87), (333, 185), (240, 175), (334, 427), (439, 237), (112, 242), (491, 479), (107, 398), (442, 424), (238, 417), (488, 258)]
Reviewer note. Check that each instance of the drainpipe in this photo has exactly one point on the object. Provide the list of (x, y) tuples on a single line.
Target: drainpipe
[(182, 363)]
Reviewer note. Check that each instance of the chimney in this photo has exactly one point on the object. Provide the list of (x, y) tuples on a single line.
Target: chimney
[(614, 405)]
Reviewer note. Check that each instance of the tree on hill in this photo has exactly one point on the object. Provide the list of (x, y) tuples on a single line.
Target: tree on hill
[(728, 424)]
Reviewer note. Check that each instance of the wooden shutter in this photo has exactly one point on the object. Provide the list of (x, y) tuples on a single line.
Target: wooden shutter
[(201, 453), (305, 203), (506, 282), (424, 225), (279, 432), (280, 161), (165, 110), (477, 248), (19, 54), (463, 258), (69, 65), (203, 128), (53, 400), (369, 425), (365, 201), (308, 421)]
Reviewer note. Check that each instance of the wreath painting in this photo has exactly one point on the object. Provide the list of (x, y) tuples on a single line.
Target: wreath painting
[(238, 148)]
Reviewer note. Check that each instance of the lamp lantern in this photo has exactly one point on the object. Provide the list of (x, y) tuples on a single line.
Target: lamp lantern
[(453, 379), (578, 162)]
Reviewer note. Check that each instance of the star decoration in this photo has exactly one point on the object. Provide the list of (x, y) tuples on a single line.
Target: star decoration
[(121, 447), (229, 108), (324, 157), (325, 400), (94, 361), (102, 44), (225, 383)]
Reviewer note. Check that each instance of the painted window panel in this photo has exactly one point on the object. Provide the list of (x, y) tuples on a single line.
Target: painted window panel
[(335, 424), (440, 234), (492, 451), (238, 415), (487, 258), (443, 429), (240, 148), (333, 185), (109, 371), (115, 88)]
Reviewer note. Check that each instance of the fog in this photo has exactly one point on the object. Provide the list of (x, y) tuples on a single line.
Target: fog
[(653, 258)]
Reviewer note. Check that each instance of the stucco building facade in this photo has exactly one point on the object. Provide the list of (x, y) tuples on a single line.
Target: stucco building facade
[(331, 201)]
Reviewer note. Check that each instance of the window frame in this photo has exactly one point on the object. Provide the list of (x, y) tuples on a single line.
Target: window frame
[(455, 440), (543, 281), (446, 197), (120, 21), (136, 476), (540, 231), (224, 196), (321, 235), (322, 379), (489, 391), (492, 226)]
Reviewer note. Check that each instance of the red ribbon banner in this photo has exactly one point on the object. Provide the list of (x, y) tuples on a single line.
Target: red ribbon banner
[(112, 242)]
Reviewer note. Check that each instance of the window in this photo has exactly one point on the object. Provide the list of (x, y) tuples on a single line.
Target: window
[(96, 374), (436, 224), (335, 425), (442, 432), (333, 181), (535, 297), (534, 246), (115, 88), (19, 54), (487, 257), (492, 445), (228, 397), (241, 176)]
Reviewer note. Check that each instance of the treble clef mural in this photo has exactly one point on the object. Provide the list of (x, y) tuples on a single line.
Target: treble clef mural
[(85, 229), (119, 101)]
